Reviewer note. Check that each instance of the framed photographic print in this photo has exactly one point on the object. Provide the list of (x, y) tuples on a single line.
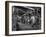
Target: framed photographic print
[(24, 18)]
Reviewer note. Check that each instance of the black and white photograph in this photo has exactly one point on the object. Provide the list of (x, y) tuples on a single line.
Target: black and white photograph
[(25, 18)]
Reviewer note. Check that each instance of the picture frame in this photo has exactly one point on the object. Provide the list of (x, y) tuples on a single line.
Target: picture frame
[(24, 18)]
